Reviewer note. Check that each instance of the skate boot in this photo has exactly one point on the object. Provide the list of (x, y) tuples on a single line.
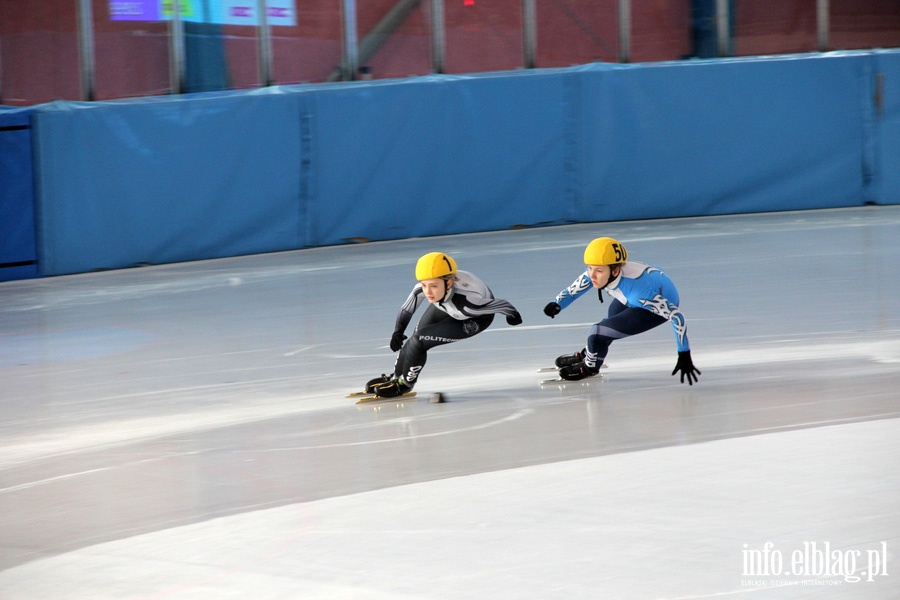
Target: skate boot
[(569, 359), (578, 371), (393, 388), (374, 383)]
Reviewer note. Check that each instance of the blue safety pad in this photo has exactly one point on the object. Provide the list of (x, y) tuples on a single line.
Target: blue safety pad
[(18, 250)]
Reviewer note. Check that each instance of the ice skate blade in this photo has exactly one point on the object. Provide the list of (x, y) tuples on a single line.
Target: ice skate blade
[(363, 399), (553, 369), (560, 382)]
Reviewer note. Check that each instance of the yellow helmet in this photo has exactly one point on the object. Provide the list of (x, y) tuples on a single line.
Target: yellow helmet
[(434, 265), (605, 251)]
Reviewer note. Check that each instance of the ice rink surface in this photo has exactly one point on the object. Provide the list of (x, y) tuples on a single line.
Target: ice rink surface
[(182, 431)]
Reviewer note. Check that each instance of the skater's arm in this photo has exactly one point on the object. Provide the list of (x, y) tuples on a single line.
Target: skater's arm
[(685, 364), (665, 303), (574, 291), (415, 298), (671, 299), (662, 306), (655, 291), (680, 328), (488, 307), (471, 297)]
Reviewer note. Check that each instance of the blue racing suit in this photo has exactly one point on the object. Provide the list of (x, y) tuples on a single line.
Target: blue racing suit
[(644, 298)]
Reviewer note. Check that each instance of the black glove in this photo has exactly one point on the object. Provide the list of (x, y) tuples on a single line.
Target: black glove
[(514, 319), (686, 366), (397, 341), (552, 309)]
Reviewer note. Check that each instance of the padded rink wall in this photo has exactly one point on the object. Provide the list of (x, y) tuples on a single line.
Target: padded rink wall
[(18, 248), (162, 180)]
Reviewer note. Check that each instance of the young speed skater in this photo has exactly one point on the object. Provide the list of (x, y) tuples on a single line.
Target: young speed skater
[(461, 306), (643, 298)]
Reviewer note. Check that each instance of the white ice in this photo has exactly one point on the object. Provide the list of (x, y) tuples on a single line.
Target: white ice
[(181, 431)]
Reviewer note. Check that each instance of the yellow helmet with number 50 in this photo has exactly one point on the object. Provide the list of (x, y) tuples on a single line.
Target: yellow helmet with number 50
[(605, 251), (434, 265)]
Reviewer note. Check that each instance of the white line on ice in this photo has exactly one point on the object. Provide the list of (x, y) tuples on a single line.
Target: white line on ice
[(512, 417), (25, 486)]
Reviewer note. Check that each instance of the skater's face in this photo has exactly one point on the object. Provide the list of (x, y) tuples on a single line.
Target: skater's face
[(434, 289), (599, 274)]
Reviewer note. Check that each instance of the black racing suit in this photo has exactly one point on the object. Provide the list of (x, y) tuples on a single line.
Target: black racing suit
[(466, 309)]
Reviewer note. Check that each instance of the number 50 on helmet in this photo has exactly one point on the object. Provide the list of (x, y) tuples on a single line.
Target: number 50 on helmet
[(605, 251), (434, 265)]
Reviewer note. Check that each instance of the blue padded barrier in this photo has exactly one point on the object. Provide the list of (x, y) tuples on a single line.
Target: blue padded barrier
[(437, 155), (213, 175), (704, 138), (886, 141), (159, 180), (18, 248)]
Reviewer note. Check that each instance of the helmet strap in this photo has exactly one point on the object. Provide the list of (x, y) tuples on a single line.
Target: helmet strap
[(612, 277), (448, 283)]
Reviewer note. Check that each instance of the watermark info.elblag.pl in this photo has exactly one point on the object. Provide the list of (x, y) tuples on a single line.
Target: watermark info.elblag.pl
[(812, 564)]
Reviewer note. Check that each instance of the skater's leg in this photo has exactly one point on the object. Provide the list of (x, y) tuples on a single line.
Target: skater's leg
[(568, 360), (615, 307), (436, 328), (621, 322)]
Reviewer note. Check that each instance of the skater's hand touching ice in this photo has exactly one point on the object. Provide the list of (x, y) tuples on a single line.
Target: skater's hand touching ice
[(687, 368)]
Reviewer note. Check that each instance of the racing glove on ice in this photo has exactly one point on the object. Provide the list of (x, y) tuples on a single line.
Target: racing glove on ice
[(687, 368), (514, 319), (552, 309)]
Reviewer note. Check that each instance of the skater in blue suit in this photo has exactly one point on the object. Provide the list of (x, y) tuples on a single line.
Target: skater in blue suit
[(643, 297)]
